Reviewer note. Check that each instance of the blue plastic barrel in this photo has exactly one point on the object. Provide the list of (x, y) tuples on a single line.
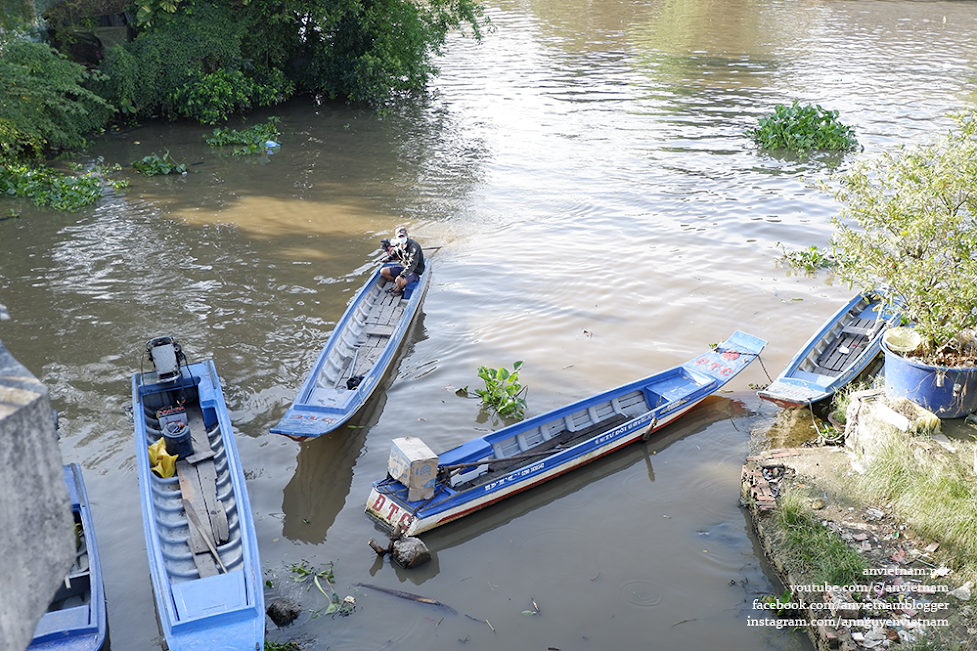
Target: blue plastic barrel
[(947, 392)]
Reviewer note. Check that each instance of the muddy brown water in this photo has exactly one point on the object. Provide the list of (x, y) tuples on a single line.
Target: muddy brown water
[(602, 215)]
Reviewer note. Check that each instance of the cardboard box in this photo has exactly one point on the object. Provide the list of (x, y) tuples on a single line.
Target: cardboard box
[(415, 466)]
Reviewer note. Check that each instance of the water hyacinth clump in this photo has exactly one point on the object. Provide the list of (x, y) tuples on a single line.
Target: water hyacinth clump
[(803, 128)]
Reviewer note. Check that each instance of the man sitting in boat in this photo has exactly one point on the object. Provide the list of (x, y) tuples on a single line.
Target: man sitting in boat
[(410, 257)]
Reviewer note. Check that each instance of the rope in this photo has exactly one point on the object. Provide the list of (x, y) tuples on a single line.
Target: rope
[(764, 367)]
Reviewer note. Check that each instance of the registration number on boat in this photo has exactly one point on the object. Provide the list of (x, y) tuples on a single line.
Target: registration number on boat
[(514, 476)]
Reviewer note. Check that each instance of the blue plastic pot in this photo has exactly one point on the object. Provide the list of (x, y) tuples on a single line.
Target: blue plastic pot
[(947, 392)]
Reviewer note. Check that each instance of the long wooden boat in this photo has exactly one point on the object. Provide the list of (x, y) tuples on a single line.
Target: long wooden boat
[(423, 491), (76, 619), (835, 355), (355, 358), (711, 410), (200, 537)]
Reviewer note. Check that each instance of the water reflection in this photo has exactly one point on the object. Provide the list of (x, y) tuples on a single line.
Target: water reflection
[(317, 492)]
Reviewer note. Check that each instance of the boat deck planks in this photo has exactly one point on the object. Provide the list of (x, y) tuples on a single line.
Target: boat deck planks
[(355, 358), (846, 345), (850, 339), (191, 490), (504, 465), (380, 324)]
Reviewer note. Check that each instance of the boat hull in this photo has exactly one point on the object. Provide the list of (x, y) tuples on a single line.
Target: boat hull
[(361, 348), (563, 439), (76, 620), (200, 607), (834, 356)]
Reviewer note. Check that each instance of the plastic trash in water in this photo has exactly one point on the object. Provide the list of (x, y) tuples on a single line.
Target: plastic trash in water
[(271, 146)]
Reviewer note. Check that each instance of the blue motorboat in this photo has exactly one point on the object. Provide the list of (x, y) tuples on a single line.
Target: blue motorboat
[(200, 537), (76, 619), (422, 490), (355, 358)]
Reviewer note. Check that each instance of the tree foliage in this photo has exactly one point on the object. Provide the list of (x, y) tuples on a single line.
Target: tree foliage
[(45, 104), (909, 225), (206, 59)]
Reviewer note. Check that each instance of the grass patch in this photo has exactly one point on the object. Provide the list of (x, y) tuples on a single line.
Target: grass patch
[(813, 550), (936, 495)]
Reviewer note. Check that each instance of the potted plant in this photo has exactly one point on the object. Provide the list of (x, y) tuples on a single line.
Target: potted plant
[(909, 226)]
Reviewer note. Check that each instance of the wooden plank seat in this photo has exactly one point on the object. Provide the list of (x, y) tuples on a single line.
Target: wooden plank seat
[(198, 484), (378, 330), (852, 336), (859, 331)]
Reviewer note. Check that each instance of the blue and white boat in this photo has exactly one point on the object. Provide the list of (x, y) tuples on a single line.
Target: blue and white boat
[(837, 353), (200, 537), (76, 620), (355, 358), (423, 491)]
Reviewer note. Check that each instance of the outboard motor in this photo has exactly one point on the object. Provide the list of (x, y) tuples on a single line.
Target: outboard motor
[(165, 354)]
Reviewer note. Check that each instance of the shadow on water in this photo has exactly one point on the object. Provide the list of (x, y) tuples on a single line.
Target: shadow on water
[(324, 472)]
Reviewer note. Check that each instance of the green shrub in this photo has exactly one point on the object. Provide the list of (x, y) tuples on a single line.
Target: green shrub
[(147, 73), (45, 105), (214, 97), (803, 128), (907, 224)]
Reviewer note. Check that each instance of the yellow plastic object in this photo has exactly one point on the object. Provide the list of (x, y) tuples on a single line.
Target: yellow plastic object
[(902, 340), (162, 463)]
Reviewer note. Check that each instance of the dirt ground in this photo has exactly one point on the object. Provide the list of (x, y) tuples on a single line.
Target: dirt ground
[(920, 599)]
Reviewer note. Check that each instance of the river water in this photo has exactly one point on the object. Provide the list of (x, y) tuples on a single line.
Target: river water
[(601, 215)]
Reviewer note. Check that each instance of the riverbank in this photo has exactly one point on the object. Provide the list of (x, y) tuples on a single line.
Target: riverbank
[(899, 582)]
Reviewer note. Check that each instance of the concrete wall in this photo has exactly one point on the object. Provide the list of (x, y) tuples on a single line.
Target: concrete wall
[(37, 540)]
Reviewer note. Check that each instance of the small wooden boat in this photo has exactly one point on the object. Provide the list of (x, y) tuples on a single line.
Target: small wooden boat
[(355, 358), (76, 620), (423, 490), (200, 537), (844, 346)]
